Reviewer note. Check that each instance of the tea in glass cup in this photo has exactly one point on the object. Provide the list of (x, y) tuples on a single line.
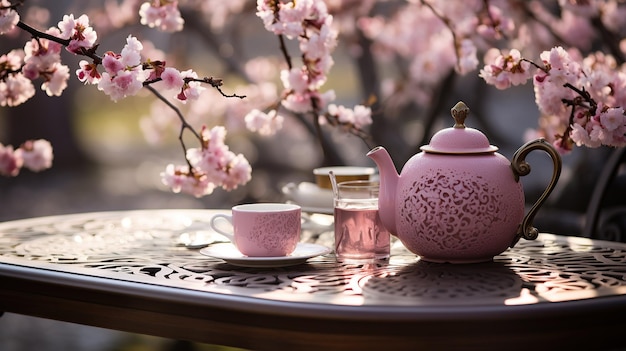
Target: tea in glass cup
[(359, 233)]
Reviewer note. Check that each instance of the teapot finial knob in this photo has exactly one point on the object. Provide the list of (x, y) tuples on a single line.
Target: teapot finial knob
[(459, 113)]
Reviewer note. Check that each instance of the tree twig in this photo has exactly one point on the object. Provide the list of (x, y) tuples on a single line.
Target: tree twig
[(183, 122)]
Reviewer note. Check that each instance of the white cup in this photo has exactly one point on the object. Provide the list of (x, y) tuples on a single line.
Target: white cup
[(262, 229)]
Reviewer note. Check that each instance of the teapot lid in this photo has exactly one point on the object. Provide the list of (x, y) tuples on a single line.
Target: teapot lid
[(459, 140)]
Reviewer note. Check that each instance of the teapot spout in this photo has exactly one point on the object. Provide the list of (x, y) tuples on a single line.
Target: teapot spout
[(388, 184)]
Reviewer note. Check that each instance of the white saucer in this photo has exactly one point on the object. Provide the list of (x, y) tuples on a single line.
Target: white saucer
[(229, 253), (308, 195)]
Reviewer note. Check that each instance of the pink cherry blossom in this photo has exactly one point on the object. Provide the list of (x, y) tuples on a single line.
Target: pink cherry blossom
[(613, 119), (37, 155), (131, 53), (191, 89), (575, 29), (8, 17), (343, 114), (358, 117), (42, 59), (88, 72), (221, 164), (124, 84), (555, 85), (290, 17), (321, 42), (10, 161), (11, 60), (239, 172), (495, 25), (81, 35), (111, 63), (295, 79), (613, 15), (265, 124), (124, 74), (467, 60), (56, 82), (562, 68), (30, 71), (507, 69), (549, 96), (579, 135), (214, 165), (15, 89), (299, 103), (163, 14), (310, 23), (37, 57), (362, 116), (429, 66), (265, 12), (180, 179), (415, 46), (596, 135), (53, 46), (172, 78)]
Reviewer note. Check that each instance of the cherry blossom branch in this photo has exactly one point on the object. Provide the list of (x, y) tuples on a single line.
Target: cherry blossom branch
[(492, 20), (217, 84), (183, 122), (184, 125), (118, 75), (83, 51), (450, 26), (39, 34), (91, 53), (564, 139), (311, 24), (525, 7), (283, 50), (542, 68), (578, 101), (14, 6)]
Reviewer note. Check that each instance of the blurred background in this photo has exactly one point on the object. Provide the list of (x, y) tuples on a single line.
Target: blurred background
[(103, 161)]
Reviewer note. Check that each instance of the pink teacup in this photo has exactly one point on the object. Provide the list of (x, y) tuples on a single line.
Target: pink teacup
[(262, 229)]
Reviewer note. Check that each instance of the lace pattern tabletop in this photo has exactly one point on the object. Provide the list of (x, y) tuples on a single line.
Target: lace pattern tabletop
[(138, 254), (142, 246)]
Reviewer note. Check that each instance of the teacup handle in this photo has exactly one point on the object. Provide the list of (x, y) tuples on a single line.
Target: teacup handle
[(229, 219), (521, 168)]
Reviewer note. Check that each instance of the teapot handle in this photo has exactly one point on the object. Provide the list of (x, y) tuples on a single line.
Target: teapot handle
[(521, 168)]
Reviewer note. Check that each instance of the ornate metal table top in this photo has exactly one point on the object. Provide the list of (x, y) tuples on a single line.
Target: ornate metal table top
[(141, 247)]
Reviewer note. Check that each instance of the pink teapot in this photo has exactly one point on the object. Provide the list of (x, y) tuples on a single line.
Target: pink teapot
[(459, 200)]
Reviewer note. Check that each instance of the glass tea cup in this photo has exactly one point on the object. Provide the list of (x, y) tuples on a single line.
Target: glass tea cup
[(359, 233)]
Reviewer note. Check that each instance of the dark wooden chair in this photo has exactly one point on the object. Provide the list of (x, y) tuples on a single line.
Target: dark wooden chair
[(606, 213)]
